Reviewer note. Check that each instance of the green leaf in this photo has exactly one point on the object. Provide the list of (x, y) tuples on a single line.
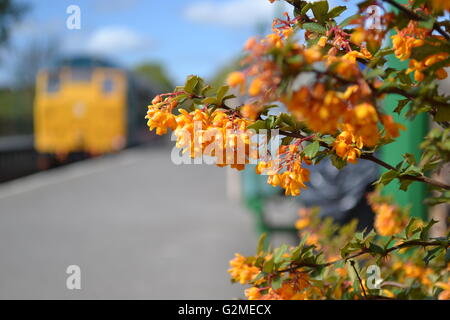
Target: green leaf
[(296, 253), (420, 53), (306, 8), (311, 149), (209, 100), (278, 254), (320, 10), (258, 125), (314, 27), (387, 177), (442, 114), (376, 248), (349, 20), (400, 105), (268, 266), (406, 232), (286, 141), (191, 83), (277, 283), (338, 162), (404, 184), (427, 24), (288, 119), (221, 93), (433, 253), (261, 243), (328, 140), (426, 229), (336, 11), (270, 122)]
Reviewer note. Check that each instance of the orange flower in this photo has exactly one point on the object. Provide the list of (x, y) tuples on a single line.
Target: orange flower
[(418, 67), (241, 271), (441, 4), (255, 87), (392, 128), (404, 44), (250, 111), (388, 219), (347, 146), (160, 118), (236, 78), (253, 293)]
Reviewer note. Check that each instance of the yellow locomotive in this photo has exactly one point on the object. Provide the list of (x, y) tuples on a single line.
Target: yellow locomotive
[(87, 105)]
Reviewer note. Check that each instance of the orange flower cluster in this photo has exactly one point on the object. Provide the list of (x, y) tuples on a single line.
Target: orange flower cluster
[(441, 4), (241, 271), (322, 109), (348, 146), (403, 45), (297, 288), (410, 37), (417, 272), (418, 67), (304, 220), (160, 116), (346, 66), (363, 121), (220, 134), (293, 178), (389, 219), (262, 72), (392, 128)]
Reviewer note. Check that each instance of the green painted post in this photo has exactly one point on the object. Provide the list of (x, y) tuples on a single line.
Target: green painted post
[(408, 142)]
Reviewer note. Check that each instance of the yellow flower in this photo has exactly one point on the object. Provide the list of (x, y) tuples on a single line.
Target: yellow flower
[(236, 78), (160, 119), (403, 45), (418, 67), (388, 219), (347, 146), (441, 4), (253, 293), (312, 55), (322, 41), (392, 128), (241, 271), (358, 36), (250, 111), (302, 223), (255, 87)]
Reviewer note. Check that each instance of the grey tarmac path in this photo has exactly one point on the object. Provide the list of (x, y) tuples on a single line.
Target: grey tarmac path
[(138, 226)]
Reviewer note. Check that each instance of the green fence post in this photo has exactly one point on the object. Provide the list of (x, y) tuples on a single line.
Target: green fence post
[(408, 142)]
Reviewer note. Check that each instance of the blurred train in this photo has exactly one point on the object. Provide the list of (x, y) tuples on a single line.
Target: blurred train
[(85, 105)]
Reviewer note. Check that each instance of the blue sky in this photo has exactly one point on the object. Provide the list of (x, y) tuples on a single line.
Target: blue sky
[(197, 36)]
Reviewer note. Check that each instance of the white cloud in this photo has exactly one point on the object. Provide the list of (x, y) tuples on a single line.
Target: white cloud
[(112, 40), (232, 13)]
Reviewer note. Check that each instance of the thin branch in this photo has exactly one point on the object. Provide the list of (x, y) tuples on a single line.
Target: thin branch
[(414, 16), (371, 157), (421, 178), (363, 251), (352, 263)]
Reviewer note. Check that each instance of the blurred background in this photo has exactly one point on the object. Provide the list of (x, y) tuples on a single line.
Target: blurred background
[(83, 182)]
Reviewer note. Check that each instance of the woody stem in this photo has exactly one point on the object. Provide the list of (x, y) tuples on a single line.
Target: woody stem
[(371, 157)]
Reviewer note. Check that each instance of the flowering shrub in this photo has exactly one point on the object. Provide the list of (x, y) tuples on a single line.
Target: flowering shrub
[(332, 76)]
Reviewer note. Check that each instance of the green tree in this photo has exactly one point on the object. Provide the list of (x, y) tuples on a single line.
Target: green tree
[(10, 12), (156, 74)]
